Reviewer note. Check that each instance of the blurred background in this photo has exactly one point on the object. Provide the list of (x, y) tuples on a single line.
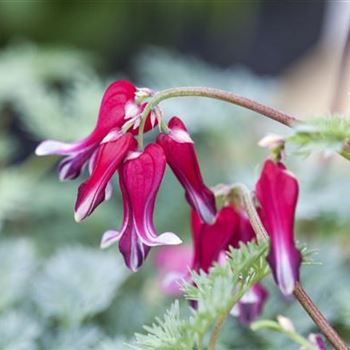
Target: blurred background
[(58, 291)]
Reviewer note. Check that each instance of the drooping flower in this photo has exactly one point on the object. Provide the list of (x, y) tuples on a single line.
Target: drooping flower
[(140, 177), (211, 240), (118, 106), (250, 306), (106, 161), (181, 157), (277, 192)]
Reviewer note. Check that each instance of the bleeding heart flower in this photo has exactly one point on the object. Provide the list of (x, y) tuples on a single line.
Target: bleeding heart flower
[(113, 114), (181, 157), (140, 177), (277, 192)]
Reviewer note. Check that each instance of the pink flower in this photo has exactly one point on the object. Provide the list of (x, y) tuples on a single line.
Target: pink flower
[(277, 192), (181, 157), (140, 177), (173, 264), (118, 106)]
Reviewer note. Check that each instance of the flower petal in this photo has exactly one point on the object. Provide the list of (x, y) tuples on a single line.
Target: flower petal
[(210, 240), (182, 159), (109, 238), (277, 192), (107, 160), (142, 176), (71, 166)]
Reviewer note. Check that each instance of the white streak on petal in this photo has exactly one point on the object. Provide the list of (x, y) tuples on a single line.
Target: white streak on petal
[(180, 136), (132, 155), (108, 191), (285, 274), (166, 238), (108, 238), (84, 207)]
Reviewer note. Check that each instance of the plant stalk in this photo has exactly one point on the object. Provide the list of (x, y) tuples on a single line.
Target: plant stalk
[(217, 94), (283, 118)]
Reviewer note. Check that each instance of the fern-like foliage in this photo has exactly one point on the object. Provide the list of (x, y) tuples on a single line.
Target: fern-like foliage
[(214, 293), (329, 133), (169, 333)]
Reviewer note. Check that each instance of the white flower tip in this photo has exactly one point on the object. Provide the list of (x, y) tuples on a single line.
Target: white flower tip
[(132, 110), (285, 323), (46, 147), (180, 136), (108, 238), (78, 217), (132, 155), (169, 238), (113, 135), (271, 141)]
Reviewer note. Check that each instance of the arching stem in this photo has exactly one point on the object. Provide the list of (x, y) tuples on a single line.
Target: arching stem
[(217, 94)]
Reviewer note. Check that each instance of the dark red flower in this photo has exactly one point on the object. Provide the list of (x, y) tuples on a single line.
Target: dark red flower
[(277, 192), (211, 240), (181, 157), (140, 177)]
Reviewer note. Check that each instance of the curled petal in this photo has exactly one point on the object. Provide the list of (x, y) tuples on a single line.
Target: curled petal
[(109, 238), (106, 161), (71, 166), (182, 159), (56, 147), (277, 192)]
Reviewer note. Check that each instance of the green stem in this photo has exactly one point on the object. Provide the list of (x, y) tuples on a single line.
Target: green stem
[(217, 94)]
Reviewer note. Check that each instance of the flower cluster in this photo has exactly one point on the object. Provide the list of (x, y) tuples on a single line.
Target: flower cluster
[(277, 192), (111, 147), (210, 244)]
